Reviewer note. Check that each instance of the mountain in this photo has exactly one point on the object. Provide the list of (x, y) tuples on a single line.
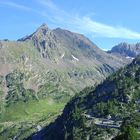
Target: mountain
[(73, 54), (109, 111), (126, 50), (41, 72), (56, 58)]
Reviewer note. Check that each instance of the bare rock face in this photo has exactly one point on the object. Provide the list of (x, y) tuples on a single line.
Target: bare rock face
[(125, 49), (43, 39), (53, 44)]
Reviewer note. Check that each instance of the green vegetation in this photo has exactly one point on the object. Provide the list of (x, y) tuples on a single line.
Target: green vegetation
[(118, 97), (41, 72), (17, 92), (31, 110), (24, 117), (22, 110), (130, 128)]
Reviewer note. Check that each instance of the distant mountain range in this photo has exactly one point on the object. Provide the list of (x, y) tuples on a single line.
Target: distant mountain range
[(126, 50), (109, 111)]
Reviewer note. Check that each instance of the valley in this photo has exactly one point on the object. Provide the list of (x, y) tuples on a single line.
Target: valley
[(22, 119), (111, 110), (69, 70), (41, 72)]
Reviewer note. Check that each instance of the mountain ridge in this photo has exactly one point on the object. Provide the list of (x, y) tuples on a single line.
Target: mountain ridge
[(116, 99), (60, 52), (126, 49)]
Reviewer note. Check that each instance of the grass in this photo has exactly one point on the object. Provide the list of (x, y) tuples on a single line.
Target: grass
[(21, 119), (31, 110)]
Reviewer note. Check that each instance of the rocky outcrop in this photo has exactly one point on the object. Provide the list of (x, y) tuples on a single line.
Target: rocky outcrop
[(125, 49)]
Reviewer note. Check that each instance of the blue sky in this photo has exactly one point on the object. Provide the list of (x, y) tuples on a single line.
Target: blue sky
[(105, 22)]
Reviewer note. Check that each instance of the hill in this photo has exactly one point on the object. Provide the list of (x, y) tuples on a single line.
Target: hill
[(109, 111)]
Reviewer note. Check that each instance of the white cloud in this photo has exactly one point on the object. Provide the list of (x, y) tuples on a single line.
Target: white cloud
[(15, 5), (85, 24)]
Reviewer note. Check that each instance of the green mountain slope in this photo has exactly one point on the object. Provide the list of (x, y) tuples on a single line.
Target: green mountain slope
[(110, 110), (46, 69)]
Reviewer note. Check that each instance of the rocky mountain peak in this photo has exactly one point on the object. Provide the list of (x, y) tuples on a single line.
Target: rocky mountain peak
[(126, 49), (40, 33), (44, 26), (123, 44), (43, 29)]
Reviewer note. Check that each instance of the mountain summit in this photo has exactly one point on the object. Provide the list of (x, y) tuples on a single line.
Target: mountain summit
[(125, 49), (68, 59), (62, 46)]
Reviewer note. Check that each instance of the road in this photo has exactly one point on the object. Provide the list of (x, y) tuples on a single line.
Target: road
[(104, 123)]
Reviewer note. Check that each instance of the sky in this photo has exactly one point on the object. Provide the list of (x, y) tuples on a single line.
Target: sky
[(105, 22)]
